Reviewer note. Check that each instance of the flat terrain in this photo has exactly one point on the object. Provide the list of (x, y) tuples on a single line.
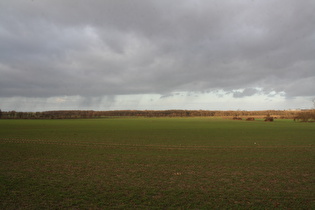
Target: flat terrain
[(152, 163)]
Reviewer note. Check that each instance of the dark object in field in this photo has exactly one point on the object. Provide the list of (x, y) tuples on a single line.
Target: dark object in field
[(250, 119), (237, 118), (269, 119)]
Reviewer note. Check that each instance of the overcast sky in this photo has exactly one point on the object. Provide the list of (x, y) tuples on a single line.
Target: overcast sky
[(157, 54)]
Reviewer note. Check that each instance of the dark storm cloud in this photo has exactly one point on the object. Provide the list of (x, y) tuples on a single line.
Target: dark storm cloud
[(95, 48)]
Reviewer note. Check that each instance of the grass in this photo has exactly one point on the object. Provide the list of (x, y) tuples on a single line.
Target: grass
[(136, 163)]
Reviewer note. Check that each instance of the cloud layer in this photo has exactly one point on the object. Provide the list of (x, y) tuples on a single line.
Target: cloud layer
[(96, 48)]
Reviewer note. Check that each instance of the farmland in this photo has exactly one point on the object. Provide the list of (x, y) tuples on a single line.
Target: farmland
[(156, 163)]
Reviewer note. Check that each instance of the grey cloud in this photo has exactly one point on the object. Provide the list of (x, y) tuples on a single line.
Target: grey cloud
[(96, 48), (167, 96), (245, 92)]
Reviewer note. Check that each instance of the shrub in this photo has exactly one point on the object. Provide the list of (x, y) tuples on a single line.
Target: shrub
[(268, 119), (305, 116)]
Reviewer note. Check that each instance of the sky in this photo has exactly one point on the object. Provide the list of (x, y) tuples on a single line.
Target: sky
[(157, 54)]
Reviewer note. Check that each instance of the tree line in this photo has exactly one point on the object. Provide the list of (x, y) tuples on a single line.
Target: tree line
[(76, 114)]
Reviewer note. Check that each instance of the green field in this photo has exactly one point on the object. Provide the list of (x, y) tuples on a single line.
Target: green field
[(156, 163)]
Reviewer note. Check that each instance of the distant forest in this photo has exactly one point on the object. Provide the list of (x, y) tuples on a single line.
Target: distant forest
[(77, 114)]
